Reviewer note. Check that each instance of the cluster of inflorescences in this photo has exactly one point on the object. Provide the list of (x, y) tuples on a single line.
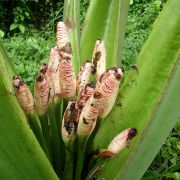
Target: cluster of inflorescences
[(91, 95)]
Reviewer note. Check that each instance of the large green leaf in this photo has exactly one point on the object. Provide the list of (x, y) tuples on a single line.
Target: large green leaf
[(71, 15), (6, 65), (151, 105), (105, 20), (20, 154)]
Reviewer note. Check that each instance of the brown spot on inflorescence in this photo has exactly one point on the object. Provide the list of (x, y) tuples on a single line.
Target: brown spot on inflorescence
[(16, 77), (100, 79), (123, 70), (67, 48), (93, 70), (71, 118), (114, 69), (99, 58), (106, 154), (84, 121), (17, 82), (21, 82), (132, 133), (96, 58), (40, 78), (85, 94), (67, 58), (97, 95), (43, 68), (80, 106), (87, 61), (91, 85), (118, 76)]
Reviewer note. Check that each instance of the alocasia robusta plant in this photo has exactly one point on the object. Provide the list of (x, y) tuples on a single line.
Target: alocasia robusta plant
[(82, 125)]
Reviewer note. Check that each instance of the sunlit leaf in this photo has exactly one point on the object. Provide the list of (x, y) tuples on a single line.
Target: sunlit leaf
[(151, 105)]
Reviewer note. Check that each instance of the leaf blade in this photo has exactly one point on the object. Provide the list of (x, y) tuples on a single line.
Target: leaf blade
[(156, 62), (20, 153), (105, 20), (152, 137)]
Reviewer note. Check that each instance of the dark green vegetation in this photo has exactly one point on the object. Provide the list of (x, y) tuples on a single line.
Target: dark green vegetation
[(24, 15), (31, 48)]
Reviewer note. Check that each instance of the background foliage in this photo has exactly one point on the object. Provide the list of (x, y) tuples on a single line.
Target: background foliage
[(23, 15), (28, 26)]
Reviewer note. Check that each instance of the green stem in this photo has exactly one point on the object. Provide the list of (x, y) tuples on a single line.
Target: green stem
[(58, 117), (82, 140), (46, 133), (69, 160), (96, 168), (56, 146), (57, 110), (34, 123)]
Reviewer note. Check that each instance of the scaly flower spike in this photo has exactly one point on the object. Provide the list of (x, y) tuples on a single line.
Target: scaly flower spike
[(69, 132), (108, 86), (54, 68), (83, 76), (26, 102), (23, 95), (87, 123), (99, 58), (119, 142), (67, 74), (67, 79), (41, 94)]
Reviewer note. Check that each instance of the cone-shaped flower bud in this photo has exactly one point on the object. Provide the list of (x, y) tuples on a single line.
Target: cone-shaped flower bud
[(54, 59), (63, 41), (67, 74), (62, 35), (99, 58), (42, 94), (85, 94), (67, 78), (54, 68), (120, 141), (70, 121), (23, 95), (88, 116), (83, 76), (108, 86)]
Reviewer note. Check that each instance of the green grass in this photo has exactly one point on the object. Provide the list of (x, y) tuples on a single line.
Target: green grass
[(28, 51), (140, 20)]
